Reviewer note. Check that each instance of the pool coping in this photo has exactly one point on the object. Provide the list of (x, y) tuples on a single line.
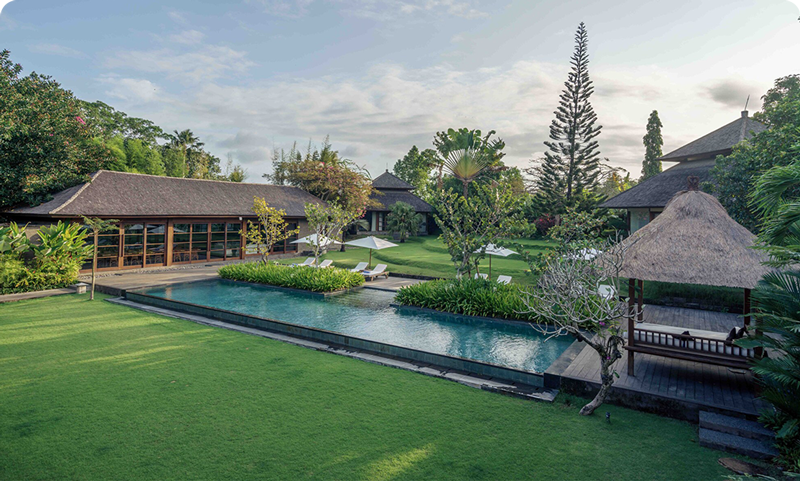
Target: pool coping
[(494, 371)]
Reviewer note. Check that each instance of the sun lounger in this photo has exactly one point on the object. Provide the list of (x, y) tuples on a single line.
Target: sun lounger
[(308, 262), (504, 279), (481, 276), (606, 291), (324, 264), (380, 270), (359, 267)]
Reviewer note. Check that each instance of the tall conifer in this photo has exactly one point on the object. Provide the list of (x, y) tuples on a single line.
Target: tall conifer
[(652, 143), (571, 165)]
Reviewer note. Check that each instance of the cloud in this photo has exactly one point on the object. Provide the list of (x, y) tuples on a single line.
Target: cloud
[(130, 89), (733, 93), (381, 10), (55, 49), (208, 63), (188, 37), (177, 17)]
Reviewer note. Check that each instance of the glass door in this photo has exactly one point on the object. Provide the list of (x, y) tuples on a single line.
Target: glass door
[(133, 245)]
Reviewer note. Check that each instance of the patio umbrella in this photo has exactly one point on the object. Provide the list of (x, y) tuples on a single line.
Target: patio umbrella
[(371, 243), (312, 239), (494, 250)]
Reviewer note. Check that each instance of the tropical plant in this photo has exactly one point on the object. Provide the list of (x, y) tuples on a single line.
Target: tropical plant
[(652, 143), (97, 225), (13, 241), (403, 220), (571, 164), (469, 223), (62, 249), (776, 198), (471, 297), (271, 228), (778, 330), (306, 278), (568, 297), (466, 155)]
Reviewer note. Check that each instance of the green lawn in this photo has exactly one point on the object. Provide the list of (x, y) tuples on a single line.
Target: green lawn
[(427, 256), (91, 390)]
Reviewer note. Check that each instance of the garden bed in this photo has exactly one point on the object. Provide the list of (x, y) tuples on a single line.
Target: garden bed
[(301, 278)]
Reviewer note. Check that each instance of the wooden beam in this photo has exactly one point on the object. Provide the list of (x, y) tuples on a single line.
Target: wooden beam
[(746, 307), (631, 323), (641, 300)]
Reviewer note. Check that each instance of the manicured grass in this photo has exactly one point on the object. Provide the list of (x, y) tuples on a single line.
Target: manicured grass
[(91, 390), (427, 256)]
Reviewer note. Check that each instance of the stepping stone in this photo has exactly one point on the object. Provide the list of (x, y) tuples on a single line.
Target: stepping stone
[(736, 444), (736, 426)]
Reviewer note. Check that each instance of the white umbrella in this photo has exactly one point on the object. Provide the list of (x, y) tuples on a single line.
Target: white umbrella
[(494, 250), (371, 243), (312, 239)]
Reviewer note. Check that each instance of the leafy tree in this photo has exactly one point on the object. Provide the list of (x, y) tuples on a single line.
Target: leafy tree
[(45, 145), (652, 143), (403, 220), (97, 225), (106, 122), (735, 175), (571, 165), (327, 222), (415, 166), (270, 230), (469, 223), (174, 162), (326, 175)]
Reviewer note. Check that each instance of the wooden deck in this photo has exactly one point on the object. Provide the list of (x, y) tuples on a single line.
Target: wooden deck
[(673, 387)]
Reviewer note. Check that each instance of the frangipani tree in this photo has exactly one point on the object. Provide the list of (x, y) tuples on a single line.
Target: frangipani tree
[(577, 296), (270, 230), (327, 222)]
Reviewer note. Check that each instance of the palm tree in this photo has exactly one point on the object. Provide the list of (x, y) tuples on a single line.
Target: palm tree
[(467, 164), (188, 144)]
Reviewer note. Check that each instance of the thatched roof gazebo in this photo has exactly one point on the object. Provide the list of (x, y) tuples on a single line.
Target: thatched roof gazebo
[(694, 241)]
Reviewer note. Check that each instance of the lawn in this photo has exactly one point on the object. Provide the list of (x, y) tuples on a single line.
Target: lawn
[(427, 256), (91, 390)]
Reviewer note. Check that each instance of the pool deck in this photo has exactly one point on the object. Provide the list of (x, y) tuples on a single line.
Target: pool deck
[(116, 283), (667, 386)]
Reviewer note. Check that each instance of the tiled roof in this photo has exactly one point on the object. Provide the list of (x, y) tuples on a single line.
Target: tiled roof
[(389, 198), (387, 180), (718, 142), (658, 190)]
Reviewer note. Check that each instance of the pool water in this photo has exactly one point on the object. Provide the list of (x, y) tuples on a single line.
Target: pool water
[(367, 314)]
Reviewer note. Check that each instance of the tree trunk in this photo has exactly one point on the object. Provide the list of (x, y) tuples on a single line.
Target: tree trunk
[(466, 189), (94, 266), (606, 380)]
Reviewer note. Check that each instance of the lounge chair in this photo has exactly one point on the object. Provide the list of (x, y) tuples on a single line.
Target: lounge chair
[(504, 279), (360, 267), (324, 264), (481, 276), (308, 262), (380, 270), (606, 291)]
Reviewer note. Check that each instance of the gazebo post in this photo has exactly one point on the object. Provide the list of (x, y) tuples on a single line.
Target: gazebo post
[(631, 323), (746, 308), (641, 300)]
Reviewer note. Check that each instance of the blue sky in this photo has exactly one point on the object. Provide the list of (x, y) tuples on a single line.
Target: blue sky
[(382, 75)]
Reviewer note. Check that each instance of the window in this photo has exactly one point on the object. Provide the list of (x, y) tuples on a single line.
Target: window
[(107, 249), (155, 244), (133, 245), (206, 241)]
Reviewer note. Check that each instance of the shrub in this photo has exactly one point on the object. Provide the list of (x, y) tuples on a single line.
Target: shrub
[(306, 278), (403, 220), (472, 297)]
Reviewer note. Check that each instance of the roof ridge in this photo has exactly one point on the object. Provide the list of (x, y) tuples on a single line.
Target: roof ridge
[(192, 179), (77, 193)]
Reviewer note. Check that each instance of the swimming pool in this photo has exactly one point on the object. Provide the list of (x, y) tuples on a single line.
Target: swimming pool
[(366, 314)]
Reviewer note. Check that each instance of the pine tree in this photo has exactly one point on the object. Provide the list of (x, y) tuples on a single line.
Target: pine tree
[(571, 165), (652, 144)]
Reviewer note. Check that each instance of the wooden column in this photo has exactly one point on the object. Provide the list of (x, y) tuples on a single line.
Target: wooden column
[(168, 238), (641, 300), (631, 323), (746, 307)]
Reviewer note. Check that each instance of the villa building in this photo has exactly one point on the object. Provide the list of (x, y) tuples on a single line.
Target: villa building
[(647, 199), (391, 190), (166, 221)]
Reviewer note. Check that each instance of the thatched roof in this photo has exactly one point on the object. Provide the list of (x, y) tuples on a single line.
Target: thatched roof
[(694, 241), (121, 194), (387, 198)]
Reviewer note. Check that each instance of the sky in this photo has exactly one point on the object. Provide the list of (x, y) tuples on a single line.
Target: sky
[(379, 76)]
